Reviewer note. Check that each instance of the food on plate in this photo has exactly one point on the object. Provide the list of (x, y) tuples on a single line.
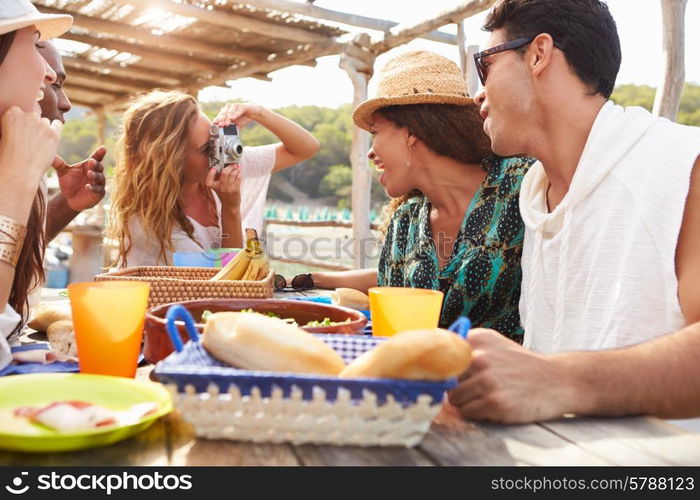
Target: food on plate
[(311, 324), (256, 342), (430, 354), (325, 322), (62, 338), (46, 314), (70, 416), (250, 264), (349, 297)]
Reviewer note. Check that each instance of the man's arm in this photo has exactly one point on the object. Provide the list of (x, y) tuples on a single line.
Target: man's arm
[(660, 377), (359, 279), (82, 187), (508, 383), (688, 251), (58, 215)]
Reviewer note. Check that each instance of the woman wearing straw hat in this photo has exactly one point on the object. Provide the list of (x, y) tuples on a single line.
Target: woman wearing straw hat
[(28, 146), (455, 225)]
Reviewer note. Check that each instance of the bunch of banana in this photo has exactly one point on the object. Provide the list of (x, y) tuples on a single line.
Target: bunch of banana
[(250, 264)]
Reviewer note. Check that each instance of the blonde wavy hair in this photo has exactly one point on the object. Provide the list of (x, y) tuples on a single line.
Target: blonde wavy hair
[(149, 174)]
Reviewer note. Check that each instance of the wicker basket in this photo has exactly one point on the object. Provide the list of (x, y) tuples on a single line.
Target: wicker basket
[(177, 284)]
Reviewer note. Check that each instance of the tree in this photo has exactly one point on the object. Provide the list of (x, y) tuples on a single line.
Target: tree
[(643, 95)]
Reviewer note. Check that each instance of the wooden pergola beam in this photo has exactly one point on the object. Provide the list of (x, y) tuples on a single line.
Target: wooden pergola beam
[(181, 64), (308, 9), (81, 94), (403, 33), (118, 84), (171, 42), (100, 92), (130, 71), (220, 17), (83, 103), (281, 61)]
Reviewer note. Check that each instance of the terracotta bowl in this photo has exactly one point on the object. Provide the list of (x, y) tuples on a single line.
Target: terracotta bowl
[(157, 344)]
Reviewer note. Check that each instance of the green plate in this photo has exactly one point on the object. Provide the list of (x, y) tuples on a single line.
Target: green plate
[(117, 393)]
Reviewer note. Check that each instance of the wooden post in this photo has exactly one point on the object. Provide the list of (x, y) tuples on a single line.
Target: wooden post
[(87, 257), (358, 61), (466, 60), (668, 95), (101, 136), (462, 46), (471, 76), (101, 124)]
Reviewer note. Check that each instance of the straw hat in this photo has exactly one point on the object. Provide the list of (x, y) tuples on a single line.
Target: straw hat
[(18, 14), (416, 77)]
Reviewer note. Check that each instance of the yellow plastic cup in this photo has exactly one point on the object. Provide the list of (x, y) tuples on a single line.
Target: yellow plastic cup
[(396, 309), (108, 321)]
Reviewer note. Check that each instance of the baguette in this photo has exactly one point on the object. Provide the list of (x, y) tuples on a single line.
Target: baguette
[(46, 314), (61, 337), (349, 297), (253, 341), (432, 354)]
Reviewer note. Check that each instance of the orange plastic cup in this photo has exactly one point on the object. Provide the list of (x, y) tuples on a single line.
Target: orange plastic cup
[(396, 309), (108, 321)]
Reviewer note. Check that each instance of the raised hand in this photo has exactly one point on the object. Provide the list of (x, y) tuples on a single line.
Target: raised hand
[(227, 186), (240, 114), (83, 184)]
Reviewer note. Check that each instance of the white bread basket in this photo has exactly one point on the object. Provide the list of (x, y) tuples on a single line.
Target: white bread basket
[(268, 407)]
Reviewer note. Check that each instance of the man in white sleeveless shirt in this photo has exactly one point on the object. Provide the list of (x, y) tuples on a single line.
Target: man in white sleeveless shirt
[(611, 258)]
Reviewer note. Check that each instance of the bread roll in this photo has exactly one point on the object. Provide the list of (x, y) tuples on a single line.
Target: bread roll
[(433, 354), (256, 342), (46, 314), (61, 337), (349, 297)]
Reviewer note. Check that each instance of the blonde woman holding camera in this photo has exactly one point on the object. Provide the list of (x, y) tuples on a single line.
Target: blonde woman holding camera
[(166, 198), (28, 145)]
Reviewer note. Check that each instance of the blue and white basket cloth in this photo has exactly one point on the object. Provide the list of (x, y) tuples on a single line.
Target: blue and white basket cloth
[(192, 365)]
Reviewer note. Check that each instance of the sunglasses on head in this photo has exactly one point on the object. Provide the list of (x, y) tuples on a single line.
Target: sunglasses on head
[(482, 67), (300, 282)]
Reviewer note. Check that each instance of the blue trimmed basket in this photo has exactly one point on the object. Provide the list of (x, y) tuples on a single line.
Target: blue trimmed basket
[(225, 402)]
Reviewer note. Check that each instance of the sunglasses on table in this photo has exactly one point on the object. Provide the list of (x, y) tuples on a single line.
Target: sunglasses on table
[(300, 282), (482, 67)]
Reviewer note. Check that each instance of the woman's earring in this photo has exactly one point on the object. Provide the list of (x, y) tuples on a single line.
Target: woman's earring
[(410, 151)]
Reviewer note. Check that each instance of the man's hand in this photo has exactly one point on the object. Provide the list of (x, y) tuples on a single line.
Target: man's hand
[(510, 384), (83, 184)]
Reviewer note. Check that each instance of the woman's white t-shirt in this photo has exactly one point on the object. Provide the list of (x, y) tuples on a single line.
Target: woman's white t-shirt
[(8, 322), (256, 167)]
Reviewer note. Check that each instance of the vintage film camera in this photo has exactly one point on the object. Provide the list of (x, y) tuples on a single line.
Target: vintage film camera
[(225, 146)]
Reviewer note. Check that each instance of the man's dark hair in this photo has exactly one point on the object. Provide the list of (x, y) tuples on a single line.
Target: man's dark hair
[(584, 27)]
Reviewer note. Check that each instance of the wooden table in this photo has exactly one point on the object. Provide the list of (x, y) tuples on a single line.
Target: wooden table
[(450, 441)]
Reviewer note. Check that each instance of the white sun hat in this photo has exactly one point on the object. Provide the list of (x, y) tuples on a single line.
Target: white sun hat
[(18, 14)]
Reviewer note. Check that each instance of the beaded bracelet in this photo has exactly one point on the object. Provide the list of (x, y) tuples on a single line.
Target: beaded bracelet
[(11, 239)]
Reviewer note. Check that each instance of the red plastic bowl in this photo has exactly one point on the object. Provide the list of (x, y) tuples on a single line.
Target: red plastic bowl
[(157, 344)]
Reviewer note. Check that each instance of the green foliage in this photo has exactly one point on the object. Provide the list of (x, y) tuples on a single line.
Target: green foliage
[(643, 95), (337, 182), (79, 139), (327, 174)]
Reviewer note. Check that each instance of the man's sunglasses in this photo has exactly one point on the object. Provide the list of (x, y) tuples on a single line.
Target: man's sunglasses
[(300, 282), (482, 67)]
